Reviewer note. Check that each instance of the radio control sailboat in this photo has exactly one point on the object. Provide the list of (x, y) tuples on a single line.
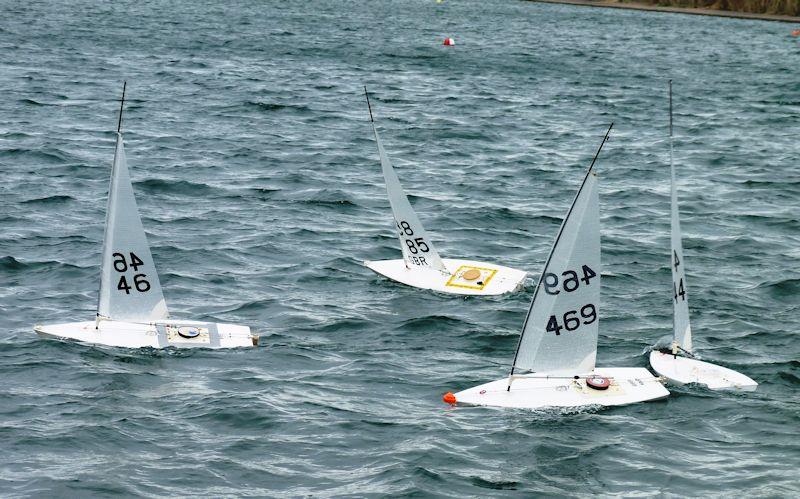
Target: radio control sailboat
[(678, 364), (131, 309), (421, 265), (554, 365)]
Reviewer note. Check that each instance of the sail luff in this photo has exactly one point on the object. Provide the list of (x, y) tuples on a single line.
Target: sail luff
[(105, 274), (681, 327), (585, 199), (418, 249), (130, 289)]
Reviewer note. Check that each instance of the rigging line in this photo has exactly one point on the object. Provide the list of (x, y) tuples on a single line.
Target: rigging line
[(550, 256)]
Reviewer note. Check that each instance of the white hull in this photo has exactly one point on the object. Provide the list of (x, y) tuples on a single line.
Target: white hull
[(493, 280), (538, 391), (681, 370), (158, 334)]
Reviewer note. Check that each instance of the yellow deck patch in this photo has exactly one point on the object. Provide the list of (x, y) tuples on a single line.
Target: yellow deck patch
[(457, 280)]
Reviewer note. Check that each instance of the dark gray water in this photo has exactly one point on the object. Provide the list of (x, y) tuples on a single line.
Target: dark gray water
[(259, 185)]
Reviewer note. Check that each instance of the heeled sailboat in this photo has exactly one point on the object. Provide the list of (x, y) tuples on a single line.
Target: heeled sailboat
[(678, 364), (554, 365), (131, 309), (421, 265)]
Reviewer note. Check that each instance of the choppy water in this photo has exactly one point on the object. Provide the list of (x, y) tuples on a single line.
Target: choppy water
[(259, 186)]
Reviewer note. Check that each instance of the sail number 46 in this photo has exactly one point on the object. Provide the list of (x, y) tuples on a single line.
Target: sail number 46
[(121, 265)]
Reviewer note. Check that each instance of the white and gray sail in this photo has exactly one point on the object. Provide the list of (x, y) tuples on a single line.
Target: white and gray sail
[(418, 250), (129, 285), (681, 329), (561, 329)]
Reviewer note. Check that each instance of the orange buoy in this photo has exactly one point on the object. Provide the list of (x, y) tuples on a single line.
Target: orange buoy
[(449, 398), (449, 42), (794, 33)]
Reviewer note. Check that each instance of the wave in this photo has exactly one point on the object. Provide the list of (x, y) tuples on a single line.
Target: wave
[(35, 155), (11, 264), (273, 106), (48, 200), (155, 185), (784, 288)]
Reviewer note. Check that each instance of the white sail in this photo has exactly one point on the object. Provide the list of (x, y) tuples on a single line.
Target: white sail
[(129, 285), (681, 330), (560, 332), (418, 250)]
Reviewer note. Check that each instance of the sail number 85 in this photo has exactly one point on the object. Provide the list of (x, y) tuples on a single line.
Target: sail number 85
[(415, 245), (121, 265)]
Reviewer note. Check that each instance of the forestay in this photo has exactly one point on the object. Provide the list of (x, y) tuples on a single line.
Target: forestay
[(129, 285), (681, 330), (418, 250)]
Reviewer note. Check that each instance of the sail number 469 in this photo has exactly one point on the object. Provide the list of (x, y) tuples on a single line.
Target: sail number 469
[(571, 321), (570, 280), (121, 265)]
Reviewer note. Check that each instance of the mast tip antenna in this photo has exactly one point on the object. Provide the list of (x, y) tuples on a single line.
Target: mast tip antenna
[(121, 103), (366, 94)]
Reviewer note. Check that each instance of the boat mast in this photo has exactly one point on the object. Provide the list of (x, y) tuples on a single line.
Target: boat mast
[(108, 209), (672, 188), (550, 256)]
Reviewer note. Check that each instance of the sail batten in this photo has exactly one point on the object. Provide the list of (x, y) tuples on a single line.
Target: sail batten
[(418, 249), (130, 289)]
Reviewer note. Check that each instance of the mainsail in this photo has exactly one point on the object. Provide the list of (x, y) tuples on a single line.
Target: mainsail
[(561, 329), (681, 329), (418, 250), (129, 285)]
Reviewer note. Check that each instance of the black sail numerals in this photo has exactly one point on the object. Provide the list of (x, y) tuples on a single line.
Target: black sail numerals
[(570, 280), (588, 273), (119, 259), (571, 321), (552, 326), (123, 285), (136, 262), (678, 290), (415, 245), (140, 284)]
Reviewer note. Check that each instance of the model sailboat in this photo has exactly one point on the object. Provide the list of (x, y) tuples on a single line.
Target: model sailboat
[(421, 265), (131, 309), (678, 364), (554, 365)]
